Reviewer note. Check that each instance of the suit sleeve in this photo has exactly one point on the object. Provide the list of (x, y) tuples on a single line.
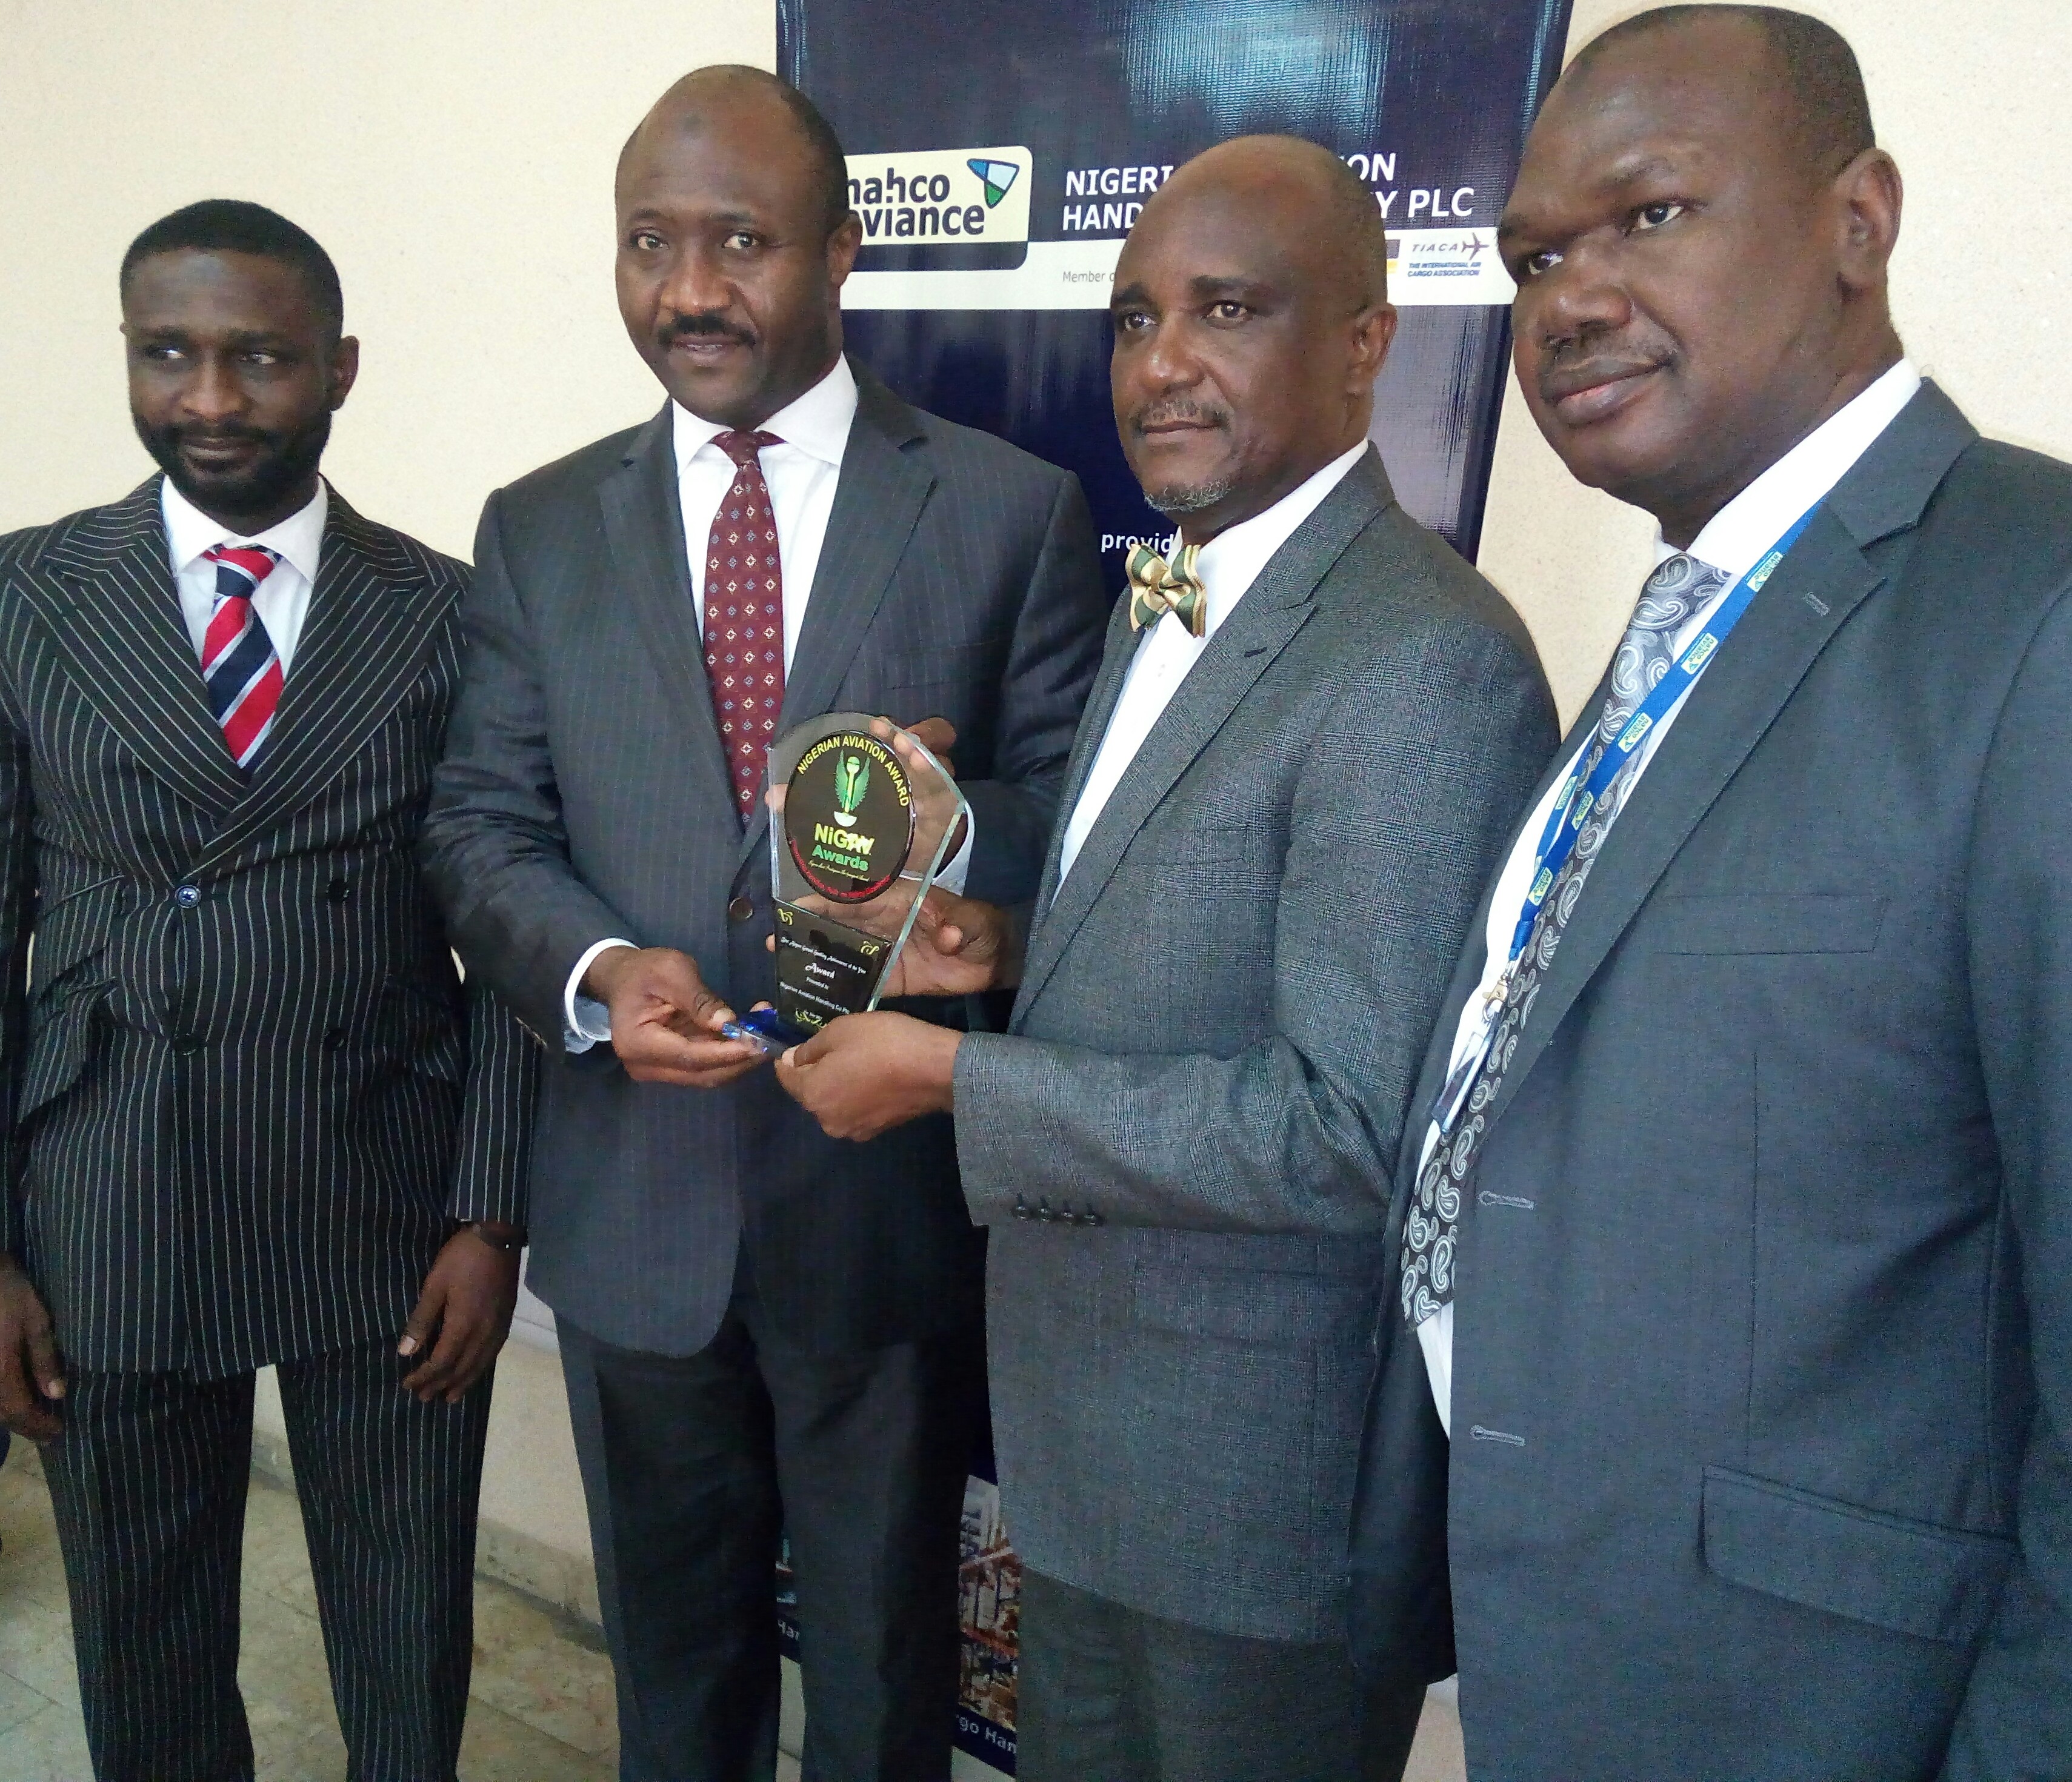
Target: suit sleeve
[(494, 846), (492, 1169), (1397, 818), (18, 900), (1050, 669), (2016, 1719)]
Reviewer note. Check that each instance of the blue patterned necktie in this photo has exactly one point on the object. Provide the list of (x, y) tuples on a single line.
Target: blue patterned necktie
[(1677, 591)]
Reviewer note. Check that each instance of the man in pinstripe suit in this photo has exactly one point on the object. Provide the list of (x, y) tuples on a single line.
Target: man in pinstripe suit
[(252, 1118), (748, 1311)]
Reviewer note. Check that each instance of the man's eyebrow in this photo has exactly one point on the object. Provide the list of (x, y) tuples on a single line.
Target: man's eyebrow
[(1621, 175), (1132, 293), (1207, 287)]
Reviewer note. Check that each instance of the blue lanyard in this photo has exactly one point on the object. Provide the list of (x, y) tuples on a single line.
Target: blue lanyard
[(1571, 810), (1579, 797)]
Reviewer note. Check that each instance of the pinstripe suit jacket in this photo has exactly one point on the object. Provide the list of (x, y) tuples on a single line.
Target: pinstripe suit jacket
[(1225, 1004), (584, 795), (245, 1089)]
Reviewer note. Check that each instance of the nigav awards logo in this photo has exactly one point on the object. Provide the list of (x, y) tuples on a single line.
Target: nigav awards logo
[(942, 207)]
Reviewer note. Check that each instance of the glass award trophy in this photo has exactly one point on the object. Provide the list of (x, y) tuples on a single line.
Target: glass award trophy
[(862, 817)]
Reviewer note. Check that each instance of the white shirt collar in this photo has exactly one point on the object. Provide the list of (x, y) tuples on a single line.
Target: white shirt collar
[(1231, 562), (1735, 538), (817, 423), (189, 532)]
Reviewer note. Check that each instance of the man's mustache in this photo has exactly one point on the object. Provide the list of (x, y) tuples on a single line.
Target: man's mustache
[(1161, 414), (194, 433), (702, 327)]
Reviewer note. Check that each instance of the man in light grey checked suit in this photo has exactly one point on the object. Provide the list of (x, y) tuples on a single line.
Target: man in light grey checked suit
[(252, 1116), (749, 1313), (1305, 745)]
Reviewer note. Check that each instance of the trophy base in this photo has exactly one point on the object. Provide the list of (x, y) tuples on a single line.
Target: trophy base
[(826, 969)]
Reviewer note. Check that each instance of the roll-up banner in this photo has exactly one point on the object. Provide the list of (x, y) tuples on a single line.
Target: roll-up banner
[(998, 153)]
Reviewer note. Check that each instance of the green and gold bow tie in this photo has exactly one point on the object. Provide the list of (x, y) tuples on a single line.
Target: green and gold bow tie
[(1157, 588)]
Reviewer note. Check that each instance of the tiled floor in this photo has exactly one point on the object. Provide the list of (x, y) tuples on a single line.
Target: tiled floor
[(541, 1709), (542, 1706)]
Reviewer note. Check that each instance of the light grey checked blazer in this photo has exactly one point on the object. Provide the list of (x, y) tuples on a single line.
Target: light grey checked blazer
[(1225, 1006)]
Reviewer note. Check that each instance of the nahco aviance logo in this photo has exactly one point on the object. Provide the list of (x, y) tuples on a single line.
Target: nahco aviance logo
[(941, 195)]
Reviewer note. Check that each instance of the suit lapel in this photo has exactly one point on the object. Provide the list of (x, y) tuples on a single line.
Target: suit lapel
[(1806, 601), (878, 503), (104, 591), (1276, 607), (643, 530), (370, 615)]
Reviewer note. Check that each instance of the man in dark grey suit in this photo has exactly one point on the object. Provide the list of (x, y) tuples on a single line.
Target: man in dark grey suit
[(252, 1118), (1740, 1266), (1312, 730), (748, 1312)]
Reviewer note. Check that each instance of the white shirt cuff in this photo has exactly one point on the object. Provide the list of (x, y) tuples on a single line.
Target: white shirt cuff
[(585, 1021), (952, 877)]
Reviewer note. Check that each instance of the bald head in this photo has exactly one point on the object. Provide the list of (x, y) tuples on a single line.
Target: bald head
[(1827, 113), (1250, 319), (1306, 196), (711, 98)]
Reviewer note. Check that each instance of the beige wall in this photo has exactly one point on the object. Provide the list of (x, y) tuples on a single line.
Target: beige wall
[(455, 157)]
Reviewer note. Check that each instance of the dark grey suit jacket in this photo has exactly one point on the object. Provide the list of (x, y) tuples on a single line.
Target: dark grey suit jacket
[(584, 795), (246, 1092), (1224, 1006), (1762, 1387)]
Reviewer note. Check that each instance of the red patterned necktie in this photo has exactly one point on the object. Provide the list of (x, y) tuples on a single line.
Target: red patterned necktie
[(745, 618), (238, 662)]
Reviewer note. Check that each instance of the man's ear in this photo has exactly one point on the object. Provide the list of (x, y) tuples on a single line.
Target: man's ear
[(1869, 197), (842, 248), (344, 371), (1374, 332)]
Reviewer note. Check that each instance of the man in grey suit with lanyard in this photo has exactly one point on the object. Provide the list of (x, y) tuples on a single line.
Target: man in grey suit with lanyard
[(753, 1321), (1312, 730), (1736, 1234)]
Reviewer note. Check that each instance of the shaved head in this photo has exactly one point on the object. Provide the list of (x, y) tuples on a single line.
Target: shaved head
[(1250, 319), (697, 101), (1828, 112)]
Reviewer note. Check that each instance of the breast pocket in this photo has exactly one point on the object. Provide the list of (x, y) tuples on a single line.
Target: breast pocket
[(1763, 923)]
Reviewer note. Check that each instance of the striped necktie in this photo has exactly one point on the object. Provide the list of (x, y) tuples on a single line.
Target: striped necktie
[(238, 662)]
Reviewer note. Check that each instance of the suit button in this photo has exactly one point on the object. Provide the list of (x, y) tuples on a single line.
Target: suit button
[(333, 1038), (185, 1045), (1043, 1211), (187, 896), (1021, 1208), (1091, 1219), (740, 909), (338, 890)]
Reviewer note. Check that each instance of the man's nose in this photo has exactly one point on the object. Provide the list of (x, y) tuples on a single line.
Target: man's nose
[(214, 392), (694, 285), (1580, 299)]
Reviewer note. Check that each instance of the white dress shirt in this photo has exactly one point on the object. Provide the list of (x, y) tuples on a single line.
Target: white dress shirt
[(1228, 565), (282, 601), (1735, 539), (802, 475)]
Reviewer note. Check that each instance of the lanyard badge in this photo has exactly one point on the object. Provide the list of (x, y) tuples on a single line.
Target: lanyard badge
[(1579, 796)]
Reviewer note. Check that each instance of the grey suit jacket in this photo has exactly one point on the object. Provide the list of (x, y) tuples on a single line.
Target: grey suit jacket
[(1224, 1004), (245, 1089), (1762, 1387), (584, 795)]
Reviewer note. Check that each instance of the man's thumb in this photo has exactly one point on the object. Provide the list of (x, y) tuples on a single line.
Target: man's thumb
[(424, 1320)]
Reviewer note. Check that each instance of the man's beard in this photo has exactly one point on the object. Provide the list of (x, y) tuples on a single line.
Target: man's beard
[(1176, 500), (286, 460)]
